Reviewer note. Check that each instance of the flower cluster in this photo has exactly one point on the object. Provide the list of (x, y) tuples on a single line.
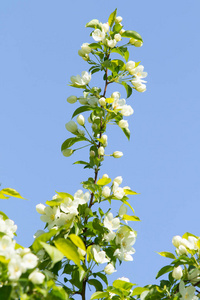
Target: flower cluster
[(17, 260)]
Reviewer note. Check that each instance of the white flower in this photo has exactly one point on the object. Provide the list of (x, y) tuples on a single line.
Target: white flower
[(64, 219), (118, 180), (7, 226), (193, 276), (101, 151), (71, 126), (123, 279), (127, 110), (117, 154), (109, 236), (110, 222), (176, 240), (80, 120), (106, 191), (118, 191), (36, 277), (84, 79), (99, 256), (7, 247), (105, 176), (98, 35), (105, 27), (124, 254), (29, 261), (72, 99), (141, 88), (123, 124), (193, 242), (117, 37), (130, 66), (118, 19), (138, 72), (69, 206), (50, 216), (187, 292), (116, 95), (181, 250), (111, 43), (40, 208), (105, 139), (81, 198), (15, 268), (125, 237), (109, 269), (86, 48), (102, 101), (177, 273)]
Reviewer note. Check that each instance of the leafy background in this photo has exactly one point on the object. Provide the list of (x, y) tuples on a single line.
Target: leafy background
[(39, 44)]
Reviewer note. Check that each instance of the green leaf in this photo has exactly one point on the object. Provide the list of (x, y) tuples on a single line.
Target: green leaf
[(11, 193), (95, 46), (128, 88), (130, 218), (121, 51), (112, 18), (167, 254), (2, 196), (132, 34), (80, 162), (68, 249), (138, 291), (55, 202), (71, 141), (80, 110), (89, 253), (53, 252), (104, 181), (164, 270), (93, 23), (109, 100), (5, 292), (58, 293), (43, 238), (117, 27), (99, 295), (127, 203), (5, 217), (130, 192), (77, 241), (97, 284), (126, 132), (64, 195), (122, 285), (187, 234)]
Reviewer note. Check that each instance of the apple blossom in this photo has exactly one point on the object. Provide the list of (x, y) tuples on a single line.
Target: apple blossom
[(80, 120), (176, 240), (36, 277), (72, 99), (81, 198), (106, 191), (102, 101), (99, 256), (105, 27), (123, 124), (118, 19), (111, 43), (105, 176), (117, 154), (118, 180), (82, 80), (71, 126), (110, 222), (86, 48), (101, 151), (187, 292), (177, 273), (130, 66), (118, 191), (40, 208), (109, 269), (117, 37), (98, 35)]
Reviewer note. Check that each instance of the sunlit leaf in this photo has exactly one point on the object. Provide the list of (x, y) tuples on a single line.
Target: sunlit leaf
[(132, 34), (112, 17), (164, 270), (53, 252), (77, 241), (167, 254), (43, 238), (130, 192), (12, 193), (104, 181), (138, 290), (99, 295), (130, 218)]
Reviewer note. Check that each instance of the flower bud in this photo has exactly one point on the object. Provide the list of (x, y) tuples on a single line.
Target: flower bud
[(94, 127), (72, 99), (92, 153), (81, 132), (104, 138), (105, 27), (176, 240), (177, 273), (80, 120), (118, 180), (40, 208), (109, 269), (111, 43), (83, 100), (36, 277), (118, 19), (81, 53), (67, 152), (86, 48), (117, 37), (122, 31), (71, 126), (105, 176), (141, 88), (102, 101), (136, 43), (123, 124), (101, 151), (106, 191), (117, 154), (181, 250)]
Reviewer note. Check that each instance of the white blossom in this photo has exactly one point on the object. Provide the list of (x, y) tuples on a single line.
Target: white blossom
[(106, 191), (102, 101), (80, 120), (109, 269), (111, 43), (123, 124), (117, 37), (40, 208), (118, 191), (118, 180), (98, 35), (110, 222), (177, 273), (86, 48), (71, 126), (117, 154), (101, 151), (81, 198), (50, 216), (84, 79), (36, 277), (99, 256)]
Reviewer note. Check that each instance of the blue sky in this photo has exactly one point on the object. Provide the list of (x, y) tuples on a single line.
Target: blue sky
[(39, 44)]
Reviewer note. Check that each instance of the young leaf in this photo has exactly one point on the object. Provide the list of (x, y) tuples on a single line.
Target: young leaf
[(64, 195), (138, 291), (53, 252), (71, 141), (99, 295), (77, 241), (5, 217), (55, 202), (132, 34), (167, 254), (130, 192), (130, 218), (104, 181), (122, 285), (95, 46), (80, 110), (43, 238), (112, 18), (11, 193), (68, 249), (164, 270)]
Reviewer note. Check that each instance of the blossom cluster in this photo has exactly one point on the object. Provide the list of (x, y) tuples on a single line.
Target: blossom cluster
[(17, 260)]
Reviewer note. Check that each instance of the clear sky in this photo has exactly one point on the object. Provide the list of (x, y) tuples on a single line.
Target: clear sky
[(39, 41)]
